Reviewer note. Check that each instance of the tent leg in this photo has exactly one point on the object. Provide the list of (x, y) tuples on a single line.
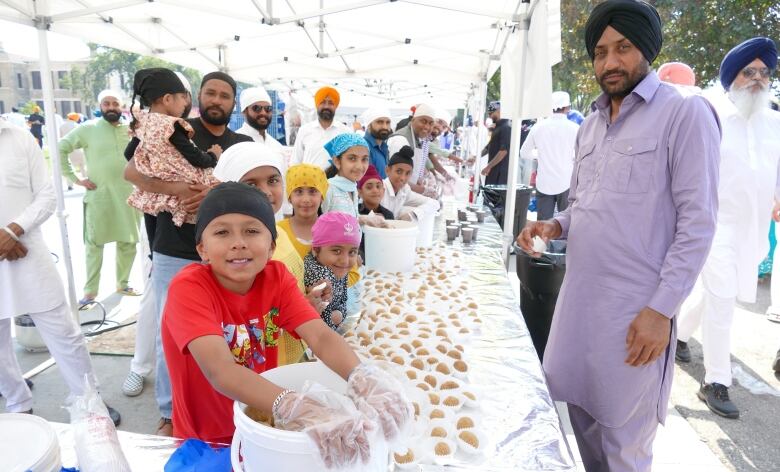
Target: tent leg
[(514, 147), (52, 135), (479, 116)]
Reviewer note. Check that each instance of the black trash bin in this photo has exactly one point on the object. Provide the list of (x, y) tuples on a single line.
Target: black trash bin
[(540, 282), (495, 199)]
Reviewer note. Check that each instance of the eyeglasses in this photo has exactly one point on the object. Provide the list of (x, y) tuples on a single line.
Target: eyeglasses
[(750, 72), (258, 108)]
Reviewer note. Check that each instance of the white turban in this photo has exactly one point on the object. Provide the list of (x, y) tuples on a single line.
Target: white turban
[(184, 81), (442, 114), (110, 93), (424, 110), (373, 113), (240, 158), (254, 95), (560, 100)]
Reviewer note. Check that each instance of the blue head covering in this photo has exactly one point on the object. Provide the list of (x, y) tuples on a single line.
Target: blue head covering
[(342, 142), (743, 54)]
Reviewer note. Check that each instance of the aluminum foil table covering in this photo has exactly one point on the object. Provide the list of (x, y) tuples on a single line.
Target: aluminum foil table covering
[(517, 412)]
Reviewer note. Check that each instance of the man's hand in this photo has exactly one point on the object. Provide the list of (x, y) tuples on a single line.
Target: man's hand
[(486, 170), (86, 183), (199, 192), (648, 336), (547, 230), (776, 212), (17, 251)]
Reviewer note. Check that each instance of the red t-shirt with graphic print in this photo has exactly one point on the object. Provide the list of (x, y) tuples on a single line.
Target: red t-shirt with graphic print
[(198, 306)]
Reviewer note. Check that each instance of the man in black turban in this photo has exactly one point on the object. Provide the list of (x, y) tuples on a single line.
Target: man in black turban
[(644, 185), (623, 37)]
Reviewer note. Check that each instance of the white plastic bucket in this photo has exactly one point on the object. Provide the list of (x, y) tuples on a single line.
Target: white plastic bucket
[(425, 236), (28, 442), (265, 448), (391, 249)]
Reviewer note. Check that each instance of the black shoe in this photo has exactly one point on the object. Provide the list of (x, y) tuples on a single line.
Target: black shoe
[(683, 352), (115, 416), (776, 364), (716, 396)]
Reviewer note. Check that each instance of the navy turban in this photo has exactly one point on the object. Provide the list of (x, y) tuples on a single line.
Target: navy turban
[(743, 54), (638, 21)]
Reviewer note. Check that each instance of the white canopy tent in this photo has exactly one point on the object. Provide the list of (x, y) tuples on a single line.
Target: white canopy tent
[(401, 51)]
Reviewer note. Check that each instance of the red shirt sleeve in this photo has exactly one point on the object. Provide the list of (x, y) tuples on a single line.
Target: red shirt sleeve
[(190, 310), (294, 308)]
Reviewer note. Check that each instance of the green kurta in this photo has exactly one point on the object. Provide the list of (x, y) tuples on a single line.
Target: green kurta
[(107, 216)]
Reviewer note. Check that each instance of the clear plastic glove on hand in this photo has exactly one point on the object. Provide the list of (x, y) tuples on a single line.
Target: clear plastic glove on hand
[(338, 429), (373, 219), (377, 393)]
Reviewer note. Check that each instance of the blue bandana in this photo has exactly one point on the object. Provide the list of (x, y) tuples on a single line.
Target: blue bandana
[(342, 142), (743, 54)]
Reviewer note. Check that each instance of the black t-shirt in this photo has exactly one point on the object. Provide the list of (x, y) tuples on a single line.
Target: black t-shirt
[(179, 241), (499, 141)]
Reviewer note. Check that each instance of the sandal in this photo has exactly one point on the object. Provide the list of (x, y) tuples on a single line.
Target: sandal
[(128, 291)]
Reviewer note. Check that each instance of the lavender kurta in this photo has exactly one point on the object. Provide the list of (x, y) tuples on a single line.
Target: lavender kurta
[(643, 202)]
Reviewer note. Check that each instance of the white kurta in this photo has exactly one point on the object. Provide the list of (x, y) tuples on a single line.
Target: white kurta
[(407, 201), (749, 178), (310, 141), (30, 284)]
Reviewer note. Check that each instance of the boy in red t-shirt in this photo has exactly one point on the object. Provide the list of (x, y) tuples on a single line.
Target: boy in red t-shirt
[(220, 328)]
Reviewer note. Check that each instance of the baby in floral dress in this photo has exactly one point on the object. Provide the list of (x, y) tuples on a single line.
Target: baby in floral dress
[(165, 149)]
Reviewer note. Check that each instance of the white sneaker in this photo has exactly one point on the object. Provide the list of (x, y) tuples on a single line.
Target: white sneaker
[(134, 385)]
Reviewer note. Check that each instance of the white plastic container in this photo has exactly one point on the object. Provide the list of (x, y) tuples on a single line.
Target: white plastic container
[(391, 249), (265, 448), (425, 236), (28, 442)]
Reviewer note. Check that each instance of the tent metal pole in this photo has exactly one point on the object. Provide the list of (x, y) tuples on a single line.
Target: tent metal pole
[(42, 24), (514, 143), (479, 116)]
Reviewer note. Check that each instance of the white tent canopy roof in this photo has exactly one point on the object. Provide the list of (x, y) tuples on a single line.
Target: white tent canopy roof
[(404, 51)]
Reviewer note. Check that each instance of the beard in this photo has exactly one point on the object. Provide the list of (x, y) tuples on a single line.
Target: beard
[(218, 120), (382, 134), (112, 116), (255, 123), (748, 100), (325, 114), (627, 83)]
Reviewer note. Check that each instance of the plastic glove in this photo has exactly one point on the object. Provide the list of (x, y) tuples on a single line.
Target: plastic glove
[(338, 429), (372, 219), (379, 394), (407, 217)]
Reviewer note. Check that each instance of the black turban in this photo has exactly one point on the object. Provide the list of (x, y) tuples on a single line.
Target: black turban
[(234, 197), (151, 84), (636, 20), (218, 75)]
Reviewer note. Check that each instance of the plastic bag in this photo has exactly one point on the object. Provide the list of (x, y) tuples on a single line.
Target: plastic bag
[(342, 434), (195, 455), (94, 434)]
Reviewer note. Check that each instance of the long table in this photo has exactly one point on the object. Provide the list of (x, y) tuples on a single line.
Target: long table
[(517, 411)]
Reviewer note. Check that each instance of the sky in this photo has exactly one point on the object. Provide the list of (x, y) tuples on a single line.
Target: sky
[(23, 40)]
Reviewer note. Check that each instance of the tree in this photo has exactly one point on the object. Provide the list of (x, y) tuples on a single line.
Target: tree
[(106, 62), (696, 32)]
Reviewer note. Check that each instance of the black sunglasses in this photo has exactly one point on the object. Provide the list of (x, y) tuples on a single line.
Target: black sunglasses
[(258, 108)]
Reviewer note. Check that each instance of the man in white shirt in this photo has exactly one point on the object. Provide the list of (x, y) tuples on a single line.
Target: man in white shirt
[(29, 281), (257, 108), (551, 142), (399, 198), (749, 171), (312, 136)]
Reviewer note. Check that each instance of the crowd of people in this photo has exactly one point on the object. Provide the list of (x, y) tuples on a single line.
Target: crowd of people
[(253, 262)]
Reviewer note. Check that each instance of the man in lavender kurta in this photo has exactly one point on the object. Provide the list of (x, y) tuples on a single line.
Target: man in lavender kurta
[(640, 222)]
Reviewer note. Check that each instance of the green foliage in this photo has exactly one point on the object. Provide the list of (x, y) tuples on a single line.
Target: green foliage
[(27, 108), (696, 32), (106, 62)]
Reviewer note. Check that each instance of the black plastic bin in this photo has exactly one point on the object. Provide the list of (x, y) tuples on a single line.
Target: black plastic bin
[(540, 282), (495, 199)]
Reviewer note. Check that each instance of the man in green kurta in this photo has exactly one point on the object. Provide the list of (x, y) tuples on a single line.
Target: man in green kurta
[(107, 216)]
